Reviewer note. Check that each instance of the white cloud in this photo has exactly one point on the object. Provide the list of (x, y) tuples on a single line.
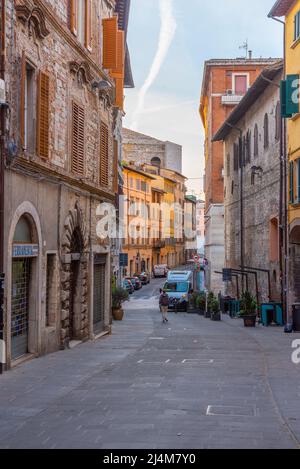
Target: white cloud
[(167, 33)]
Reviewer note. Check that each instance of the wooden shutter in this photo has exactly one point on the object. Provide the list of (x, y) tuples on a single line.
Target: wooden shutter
[(104, 153), (110, 35), (88, 24), (74, 16), (120, 92), (22, 99), (118, 72), (116, 167), (43, 115), (78, 131)]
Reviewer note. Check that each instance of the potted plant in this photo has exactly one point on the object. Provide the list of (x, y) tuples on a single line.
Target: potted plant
[(210, 299), (215, 313), (248, 309), (119, 296), (201, 304)]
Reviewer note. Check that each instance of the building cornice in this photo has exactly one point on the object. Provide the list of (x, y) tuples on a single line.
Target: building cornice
[(59, 175)]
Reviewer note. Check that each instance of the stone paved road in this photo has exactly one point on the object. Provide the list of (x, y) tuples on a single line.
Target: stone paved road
[(191, 384)]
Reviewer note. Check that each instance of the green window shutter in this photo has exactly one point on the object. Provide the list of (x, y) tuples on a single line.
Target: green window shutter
[(291, 182), (292, 94), (284, 113)]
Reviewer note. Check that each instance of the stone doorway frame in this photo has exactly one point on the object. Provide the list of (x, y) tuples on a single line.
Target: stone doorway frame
[(74, 226)]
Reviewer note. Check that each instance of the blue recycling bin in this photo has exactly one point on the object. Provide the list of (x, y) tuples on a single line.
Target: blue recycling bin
[(272, 312)]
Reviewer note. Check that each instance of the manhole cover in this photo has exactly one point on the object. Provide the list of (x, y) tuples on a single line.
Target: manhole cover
[(232, 411)]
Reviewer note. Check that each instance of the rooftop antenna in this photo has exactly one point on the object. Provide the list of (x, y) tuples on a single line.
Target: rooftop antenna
[(245, 46)]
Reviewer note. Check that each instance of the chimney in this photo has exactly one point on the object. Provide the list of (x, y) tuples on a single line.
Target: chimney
[(250, 54)]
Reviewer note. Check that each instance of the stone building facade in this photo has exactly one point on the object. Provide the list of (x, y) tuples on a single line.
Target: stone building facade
[(62, 151), (225, 82), (251, 136), (142, 149)]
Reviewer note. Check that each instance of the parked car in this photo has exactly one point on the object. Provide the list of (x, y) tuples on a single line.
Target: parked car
[(135, 282), (145, 278), (160, 271), (127, 285)]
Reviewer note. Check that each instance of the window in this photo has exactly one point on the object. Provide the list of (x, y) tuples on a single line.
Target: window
[(28, 103), (278, 121), (255, 150), (248, 148), (297, 26), (143, 186), (266, 131), (240, 84), (104, 155), (131, 183), (156, 161), (80, 21), (78, 131), (110, 43), (228, 165), (236, 156), (138, 184), (291, 182)]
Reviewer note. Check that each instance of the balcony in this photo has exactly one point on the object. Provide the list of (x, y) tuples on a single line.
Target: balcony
[(232, 99), (158, 243)]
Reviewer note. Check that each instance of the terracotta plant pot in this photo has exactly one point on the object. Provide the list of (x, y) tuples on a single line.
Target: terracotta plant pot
[(118, 314), (249, 321)]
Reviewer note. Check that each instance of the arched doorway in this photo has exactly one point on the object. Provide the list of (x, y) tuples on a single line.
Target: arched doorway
[(74, 320), (25, 250)]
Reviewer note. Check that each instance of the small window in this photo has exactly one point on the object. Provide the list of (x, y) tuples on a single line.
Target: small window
[(236, 156), (266, 131), (156, 162), (255, 150), (297, 26), (248, 147), (80, 12), (138, 184), (240, 84), (228, 165)]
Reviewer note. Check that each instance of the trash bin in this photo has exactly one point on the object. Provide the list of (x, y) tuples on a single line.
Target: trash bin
[(296, 317)]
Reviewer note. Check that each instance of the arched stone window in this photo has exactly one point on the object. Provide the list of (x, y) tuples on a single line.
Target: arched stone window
[(266, 131), (156, 161), (256, 140)]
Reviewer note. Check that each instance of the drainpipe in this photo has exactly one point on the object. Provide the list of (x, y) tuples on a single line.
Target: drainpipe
[(283, 214), (2, 158)]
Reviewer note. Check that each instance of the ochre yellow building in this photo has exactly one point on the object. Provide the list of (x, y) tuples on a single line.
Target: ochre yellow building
[(289, 10)]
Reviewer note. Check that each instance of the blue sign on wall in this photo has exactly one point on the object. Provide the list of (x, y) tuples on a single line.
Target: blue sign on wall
[(25, 250)]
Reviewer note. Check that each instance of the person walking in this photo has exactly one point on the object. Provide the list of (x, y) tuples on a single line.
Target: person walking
[(164, 305)]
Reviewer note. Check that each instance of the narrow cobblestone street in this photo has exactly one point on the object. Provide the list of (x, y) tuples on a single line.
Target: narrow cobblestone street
[(193, 383)]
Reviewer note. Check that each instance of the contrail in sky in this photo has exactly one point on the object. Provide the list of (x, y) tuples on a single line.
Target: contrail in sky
[(167, 33)]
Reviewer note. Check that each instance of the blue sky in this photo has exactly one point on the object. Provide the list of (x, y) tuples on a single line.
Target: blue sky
[(205, 30)]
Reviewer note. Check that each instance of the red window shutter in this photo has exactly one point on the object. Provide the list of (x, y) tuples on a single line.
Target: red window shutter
[(74, 16), (118, 72), (88, 24), (110, 30), (241, 83), (78, 132), (22, 99), (43, 115), (104, 155)]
